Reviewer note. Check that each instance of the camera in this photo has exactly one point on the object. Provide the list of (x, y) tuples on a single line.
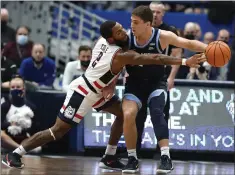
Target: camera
[(202, 73)]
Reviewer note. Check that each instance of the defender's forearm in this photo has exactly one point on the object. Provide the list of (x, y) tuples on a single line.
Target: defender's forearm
[(158, 59)]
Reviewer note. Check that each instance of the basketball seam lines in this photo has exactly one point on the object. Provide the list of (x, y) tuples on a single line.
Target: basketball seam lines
[(214, 52), (222, 53), (226, 47), (209, 49)]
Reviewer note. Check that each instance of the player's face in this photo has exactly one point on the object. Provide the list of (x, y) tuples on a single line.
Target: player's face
[(119, 35), (138, 26)]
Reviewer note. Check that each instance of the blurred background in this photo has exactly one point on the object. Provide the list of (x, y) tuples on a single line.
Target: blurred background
[(61, 36)]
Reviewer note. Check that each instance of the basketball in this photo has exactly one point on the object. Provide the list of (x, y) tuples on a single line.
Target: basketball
[(218, 53)]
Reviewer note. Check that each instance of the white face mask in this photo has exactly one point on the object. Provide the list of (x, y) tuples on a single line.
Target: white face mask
[(22, 39)]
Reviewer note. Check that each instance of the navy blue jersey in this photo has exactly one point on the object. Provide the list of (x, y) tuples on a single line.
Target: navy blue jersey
[(154, 73)]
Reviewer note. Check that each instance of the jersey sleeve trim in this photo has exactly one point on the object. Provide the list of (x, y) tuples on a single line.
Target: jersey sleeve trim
[(129, 36), (158, 45)]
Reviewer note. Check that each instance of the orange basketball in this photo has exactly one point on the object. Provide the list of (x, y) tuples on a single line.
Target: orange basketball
[(218, 53)]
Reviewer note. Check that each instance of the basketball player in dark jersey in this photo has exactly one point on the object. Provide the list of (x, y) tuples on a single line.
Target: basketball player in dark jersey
[(158, 11), (146, 83)]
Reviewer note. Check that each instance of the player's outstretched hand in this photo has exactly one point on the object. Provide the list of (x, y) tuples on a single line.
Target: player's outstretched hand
[(195, 60)]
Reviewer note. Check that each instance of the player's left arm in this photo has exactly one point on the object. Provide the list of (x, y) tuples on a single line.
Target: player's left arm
[(108, 91), (169, 38)]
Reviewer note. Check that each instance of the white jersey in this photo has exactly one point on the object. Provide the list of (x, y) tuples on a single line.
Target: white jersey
[(99, 72), (89, 85)]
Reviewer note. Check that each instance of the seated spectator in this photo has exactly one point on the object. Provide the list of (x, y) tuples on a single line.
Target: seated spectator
[(198, 31), (19, 49), (231, 65), (216, 72), (208, 37), (7, 33), (223, 35), (8, 69), (16, 117), (189, 33), (76, 68), (38, 70)]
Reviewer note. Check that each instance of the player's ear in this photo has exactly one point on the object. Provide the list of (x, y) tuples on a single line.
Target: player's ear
[(149, 23)]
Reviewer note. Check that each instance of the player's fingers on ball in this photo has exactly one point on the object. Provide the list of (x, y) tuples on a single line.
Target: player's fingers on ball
[(195, 65), (202, 59)]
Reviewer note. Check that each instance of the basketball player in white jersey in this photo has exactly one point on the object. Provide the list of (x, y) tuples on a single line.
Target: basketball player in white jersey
[(85, 93)]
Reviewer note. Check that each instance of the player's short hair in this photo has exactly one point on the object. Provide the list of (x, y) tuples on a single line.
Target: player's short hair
[(143, 12), (106, 29)]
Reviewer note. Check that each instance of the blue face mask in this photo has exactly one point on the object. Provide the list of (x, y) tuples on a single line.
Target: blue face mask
[(22, 39), (17, 97)]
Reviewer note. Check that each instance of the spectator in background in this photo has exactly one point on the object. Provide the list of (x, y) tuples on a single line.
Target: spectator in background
[(216, 72), (16, 116), (76, 68), (7, 33), (208, 37), (38, 70), (231, 66), (19, 49), (8, 69), (198, 31), (189, 33), (223, 35)]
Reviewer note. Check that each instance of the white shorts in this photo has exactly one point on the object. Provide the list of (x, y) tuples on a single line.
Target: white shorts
[(77, 105)]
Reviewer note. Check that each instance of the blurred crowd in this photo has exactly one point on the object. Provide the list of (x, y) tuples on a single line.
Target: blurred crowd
[(195, 7), (26, 65), (20, 55)]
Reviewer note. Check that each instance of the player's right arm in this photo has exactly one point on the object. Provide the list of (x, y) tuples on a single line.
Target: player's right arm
[(169, 38)]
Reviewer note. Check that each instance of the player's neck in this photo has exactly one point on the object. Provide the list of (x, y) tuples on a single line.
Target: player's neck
[(141, 40)]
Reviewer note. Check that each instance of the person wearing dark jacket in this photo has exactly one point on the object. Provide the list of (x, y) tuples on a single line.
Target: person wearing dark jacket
[(7, 33), (38, 69)]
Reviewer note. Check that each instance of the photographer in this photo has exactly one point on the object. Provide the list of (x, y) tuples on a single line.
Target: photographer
[(201, 73)]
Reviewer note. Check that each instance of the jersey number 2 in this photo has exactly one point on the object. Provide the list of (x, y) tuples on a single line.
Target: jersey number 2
[(97, 59)]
